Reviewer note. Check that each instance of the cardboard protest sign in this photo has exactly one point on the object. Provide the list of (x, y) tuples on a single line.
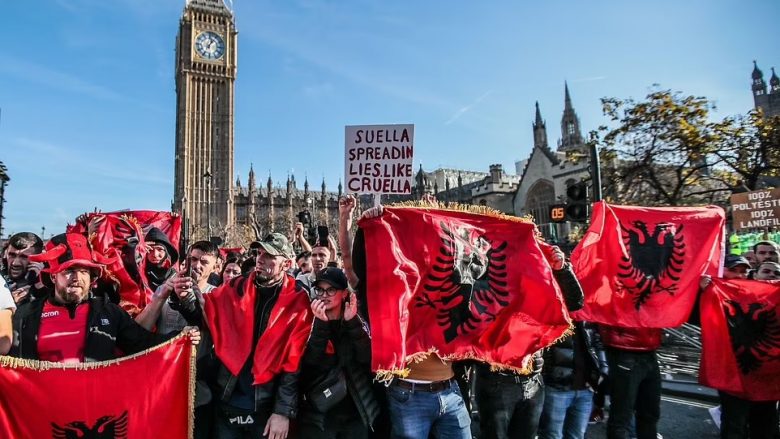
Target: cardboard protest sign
[(756, 210), (378, 159)]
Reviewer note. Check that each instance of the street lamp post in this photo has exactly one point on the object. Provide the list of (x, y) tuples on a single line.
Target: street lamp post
[(185, 227), (207, 176)]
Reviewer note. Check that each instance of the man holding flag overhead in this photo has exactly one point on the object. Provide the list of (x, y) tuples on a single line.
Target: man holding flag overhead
[(470, 285), (640, 269)]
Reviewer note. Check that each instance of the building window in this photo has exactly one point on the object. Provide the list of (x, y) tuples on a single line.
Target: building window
[(540, 197), (570, 128)]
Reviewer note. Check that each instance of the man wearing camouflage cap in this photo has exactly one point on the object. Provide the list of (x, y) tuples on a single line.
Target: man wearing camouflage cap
[(259, 323)]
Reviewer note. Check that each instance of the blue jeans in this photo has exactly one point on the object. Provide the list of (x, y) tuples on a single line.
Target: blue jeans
[(416, 414), (566, 414)]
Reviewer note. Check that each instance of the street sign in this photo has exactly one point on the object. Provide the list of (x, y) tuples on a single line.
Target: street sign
[(756, 210)]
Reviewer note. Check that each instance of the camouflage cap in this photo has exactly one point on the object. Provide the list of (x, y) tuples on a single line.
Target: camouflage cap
[(275, 244)]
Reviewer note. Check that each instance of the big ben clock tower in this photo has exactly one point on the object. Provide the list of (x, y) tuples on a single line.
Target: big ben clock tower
[(205, 77)]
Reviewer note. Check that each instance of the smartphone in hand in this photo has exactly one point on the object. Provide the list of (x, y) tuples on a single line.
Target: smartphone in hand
[(322, 235)]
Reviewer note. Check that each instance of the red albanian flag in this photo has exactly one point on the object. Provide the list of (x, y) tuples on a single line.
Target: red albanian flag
[(740, 332), (465, 285), (169, 223), (118, 242), (641, 266), (96, 400), (230, 314)]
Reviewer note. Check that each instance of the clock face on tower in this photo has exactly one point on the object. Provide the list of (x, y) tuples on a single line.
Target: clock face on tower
[(209, 45)]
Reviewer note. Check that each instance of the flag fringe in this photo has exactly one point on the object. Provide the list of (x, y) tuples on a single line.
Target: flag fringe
[(191, 392), (385, 376), (38, 365), (467, 208)]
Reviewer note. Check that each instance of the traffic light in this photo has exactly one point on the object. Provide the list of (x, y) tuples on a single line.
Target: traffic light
[(577, 204), (558, 213)]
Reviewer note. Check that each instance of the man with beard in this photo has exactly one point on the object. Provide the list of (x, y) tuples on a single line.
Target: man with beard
[(161, 258), (259, 324), (766, 251), (73, 325), (21, 274)]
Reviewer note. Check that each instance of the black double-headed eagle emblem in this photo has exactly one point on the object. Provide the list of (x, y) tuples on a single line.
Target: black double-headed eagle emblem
[(654, 261), (467, 284), (754, 332), (106, 427)]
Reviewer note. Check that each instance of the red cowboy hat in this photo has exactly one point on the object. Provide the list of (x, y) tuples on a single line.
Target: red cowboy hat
[(67, 250)]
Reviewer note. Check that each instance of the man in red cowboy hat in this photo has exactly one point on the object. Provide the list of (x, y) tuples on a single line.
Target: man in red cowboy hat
[(72, 325)]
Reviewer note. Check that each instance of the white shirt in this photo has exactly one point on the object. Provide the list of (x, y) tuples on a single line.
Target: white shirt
[(6, 299)]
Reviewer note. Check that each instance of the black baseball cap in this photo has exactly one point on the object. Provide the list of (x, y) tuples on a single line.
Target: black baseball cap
[(333, 276), (734, 260)]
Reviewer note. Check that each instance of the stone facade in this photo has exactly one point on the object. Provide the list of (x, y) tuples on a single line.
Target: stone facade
[(767, 101), (545, 175), (274, 209)]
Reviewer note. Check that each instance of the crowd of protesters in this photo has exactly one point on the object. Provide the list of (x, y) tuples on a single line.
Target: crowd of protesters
[(50, 310)]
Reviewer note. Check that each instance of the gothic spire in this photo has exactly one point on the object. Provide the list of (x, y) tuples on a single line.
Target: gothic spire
[(251, 182), (540, 130), (757, 73), (774, 82), (539, 120), (571, 135)]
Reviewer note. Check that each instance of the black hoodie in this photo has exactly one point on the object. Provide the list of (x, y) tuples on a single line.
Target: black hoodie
[(155, 274)]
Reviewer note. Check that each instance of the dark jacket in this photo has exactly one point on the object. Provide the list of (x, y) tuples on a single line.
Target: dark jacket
[(631, 339), (559, 359), (157, 276), (109, 328), (573, 298), (352, 355), (279, 396), (570, 287)]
